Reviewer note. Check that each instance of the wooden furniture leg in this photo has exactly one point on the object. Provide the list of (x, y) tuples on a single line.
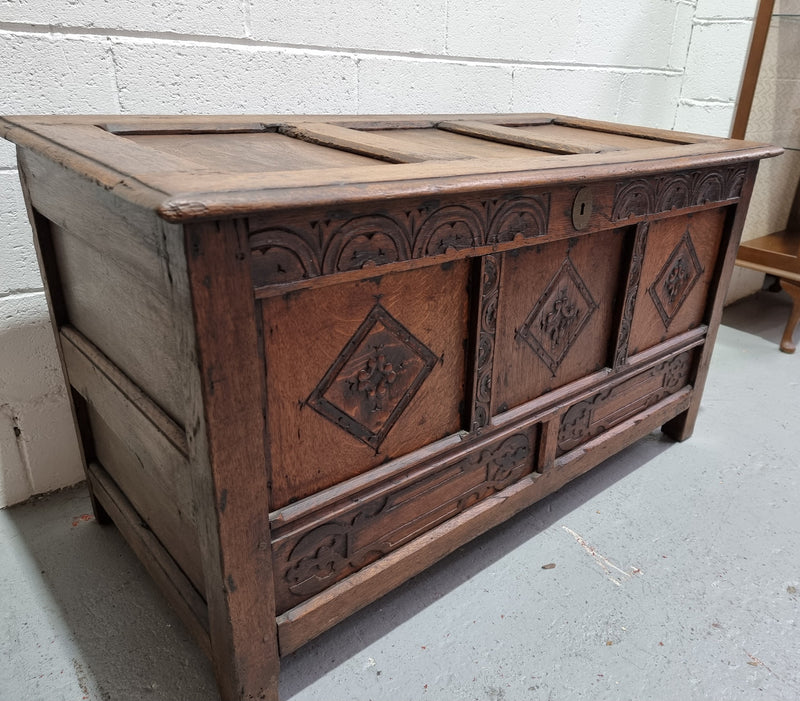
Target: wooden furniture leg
[(231, 480), (787, 345)]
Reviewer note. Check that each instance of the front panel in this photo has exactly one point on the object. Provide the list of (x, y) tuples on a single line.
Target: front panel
[(678, 268), (360, 373), (556, 315)]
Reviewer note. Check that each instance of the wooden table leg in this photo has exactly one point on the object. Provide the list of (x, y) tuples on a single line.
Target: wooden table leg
[(787, 345)]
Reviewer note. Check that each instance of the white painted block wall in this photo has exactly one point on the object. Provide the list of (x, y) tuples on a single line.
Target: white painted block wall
[(663, 63)]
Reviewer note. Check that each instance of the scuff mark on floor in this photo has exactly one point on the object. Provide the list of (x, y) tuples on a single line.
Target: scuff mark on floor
[(80, 674), (612, 572), (755, 662)]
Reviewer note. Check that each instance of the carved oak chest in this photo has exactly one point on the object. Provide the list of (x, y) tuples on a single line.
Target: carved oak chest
[(310, 356)]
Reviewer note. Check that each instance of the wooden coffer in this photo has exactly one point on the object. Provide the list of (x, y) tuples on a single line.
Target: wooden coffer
[(309, 357)]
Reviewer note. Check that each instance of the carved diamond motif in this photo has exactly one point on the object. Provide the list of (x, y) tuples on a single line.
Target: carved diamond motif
[(559, 316), (676, 279), (374, 378)]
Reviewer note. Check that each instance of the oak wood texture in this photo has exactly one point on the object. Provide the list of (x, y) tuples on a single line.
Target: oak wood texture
[(679, 265), (125, 248), (556, 315), (682, 426), (457, 143), (304, 622), (231, 470), (354, 533), (144, 451), (181, 190), (310, 364), (179, 591), (309, 356)]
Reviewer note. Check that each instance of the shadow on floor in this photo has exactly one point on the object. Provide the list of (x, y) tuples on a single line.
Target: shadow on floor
[(345, 640), (135, 647), (93, 598), (762, 314), (125, 642)]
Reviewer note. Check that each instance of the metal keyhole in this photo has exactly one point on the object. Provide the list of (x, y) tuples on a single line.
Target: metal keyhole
[(582, 208)]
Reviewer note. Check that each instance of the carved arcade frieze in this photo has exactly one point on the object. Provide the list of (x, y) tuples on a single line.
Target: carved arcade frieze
[(340, 243), (663, 193)]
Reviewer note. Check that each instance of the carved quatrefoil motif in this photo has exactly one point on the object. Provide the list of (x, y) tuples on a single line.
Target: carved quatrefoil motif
[(373, 378), (559, 316), (676, 280)]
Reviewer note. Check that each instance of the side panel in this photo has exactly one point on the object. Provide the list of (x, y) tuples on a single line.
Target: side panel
[(142, 450), (117, 270), (117, 278)]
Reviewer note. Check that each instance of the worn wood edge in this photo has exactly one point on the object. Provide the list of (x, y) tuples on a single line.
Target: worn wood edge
[(174, 584), (513, 137), (587, 455), (777, 272), (634, 244), (650, 133), (121, 184), (41, 229), (437, 450), (517, 419), (548, 443), (281, 288), (158, 128), (363, 143), (332, 502), (228, 456), (316, 615), (164, 193), (402, 120), (138, 399), (336, 187), (390, 122)]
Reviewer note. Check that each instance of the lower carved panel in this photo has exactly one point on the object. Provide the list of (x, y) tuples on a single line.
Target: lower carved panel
[(604, 410), (308, 562)]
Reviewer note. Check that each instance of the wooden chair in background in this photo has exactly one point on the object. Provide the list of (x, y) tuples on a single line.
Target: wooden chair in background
[(778, 254)]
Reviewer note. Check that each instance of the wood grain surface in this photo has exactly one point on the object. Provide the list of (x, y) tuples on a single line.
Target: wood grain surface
[(310, 356)]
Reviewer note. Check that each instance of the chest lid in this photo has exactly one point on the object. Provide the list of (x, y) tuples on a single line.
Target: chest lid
[(194, 167)]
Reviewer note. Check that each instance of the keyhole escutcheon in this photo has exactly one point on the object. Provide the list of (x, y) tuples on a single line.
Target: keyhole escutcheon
[(582, 208)]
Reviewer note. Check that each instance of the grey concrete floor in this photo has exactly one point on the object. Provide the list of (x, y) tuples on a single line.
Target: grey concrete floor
[(677, 576)]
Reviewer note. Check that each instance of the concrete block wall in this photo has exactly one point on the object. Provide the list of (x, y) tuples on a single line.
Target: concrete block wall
[(663, 63)]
